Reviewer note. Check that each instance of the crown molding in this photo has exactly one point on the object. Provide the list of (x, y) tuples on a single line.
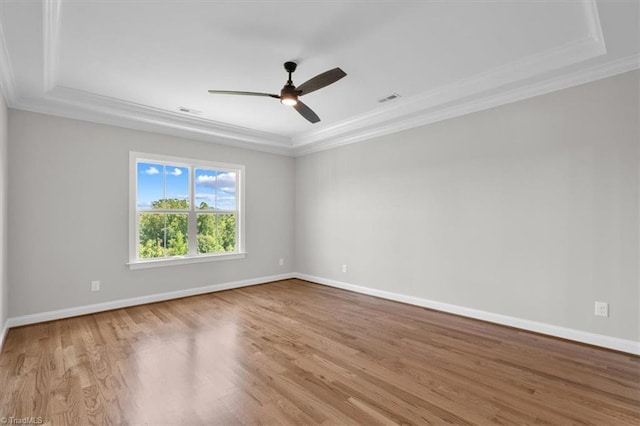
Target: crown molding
[(485, 90), (76, 104), (88, 102), (531, 66), (7, 78), (565, 81)]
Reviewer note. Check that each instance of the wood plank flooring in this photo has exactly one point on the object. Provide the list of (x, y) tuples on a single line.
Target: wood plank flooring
[(293, 352)]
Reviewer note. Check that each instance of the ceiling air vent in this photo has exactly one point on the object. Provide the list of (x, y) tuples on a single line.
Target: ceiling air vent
[(189, 110), (389, 98)]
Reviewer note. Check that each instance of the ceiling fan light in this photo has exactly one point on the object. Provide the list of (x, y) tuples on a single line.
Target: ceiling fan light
[(289, 99)]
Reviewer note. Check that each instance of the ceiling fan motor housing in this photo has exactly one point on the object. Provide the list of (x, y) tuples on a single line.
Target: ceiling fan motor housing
[(289, 95)]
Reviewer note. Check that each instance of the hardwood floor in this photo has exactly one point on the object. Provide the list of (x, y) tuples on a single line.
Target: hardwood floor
[(293, 352)]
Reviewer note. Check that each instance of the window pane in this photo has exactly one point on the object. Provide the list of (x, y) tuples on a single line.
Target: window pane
[(150, 185), (225, 190), (215, 190), (216, 233), (163, 234), (162, 186), (226, 224), (205, 182), (176, 187)]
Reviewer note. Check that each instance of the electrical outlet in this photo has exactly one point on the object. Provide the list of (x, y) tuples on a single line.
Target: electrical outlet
[(281, 262), (344, 268), (95, 285), (602, 309)]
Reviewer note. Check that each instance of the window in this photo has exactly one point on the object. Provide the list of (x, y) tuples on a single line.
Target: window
[(184, 211)]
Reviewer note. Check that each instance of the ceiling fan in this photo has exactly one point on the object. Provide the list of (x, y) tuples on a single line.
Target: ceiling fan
[(289, 94)]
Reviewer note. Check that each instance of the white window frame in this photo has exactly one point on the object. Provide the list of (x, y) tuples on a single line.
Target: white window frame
[(135, 262)]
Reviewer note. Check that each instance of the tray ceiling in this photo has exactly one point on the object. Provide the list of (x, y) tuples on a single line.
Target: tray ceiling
[(134, 64)]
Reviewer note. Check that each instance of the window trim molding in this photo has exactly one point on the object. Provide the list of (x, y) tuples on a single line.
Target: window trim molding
[(184, 260), (134, 261)]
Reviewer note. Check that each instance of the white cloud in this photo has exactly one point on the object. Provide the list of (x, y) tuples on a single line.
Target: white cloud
[(152, 171), (221, 202), (212, 197), (206, 180), (206, 197), (223, 182), (175, 172)]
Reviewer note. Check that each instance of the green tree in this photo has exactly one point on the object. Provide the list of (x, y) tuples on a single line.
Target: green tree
[(216, 232), (226, 225), (164, 234)]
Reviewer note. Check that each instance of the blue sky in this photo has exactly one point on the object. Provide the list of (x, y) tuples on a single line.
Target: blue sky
[(157, 181)]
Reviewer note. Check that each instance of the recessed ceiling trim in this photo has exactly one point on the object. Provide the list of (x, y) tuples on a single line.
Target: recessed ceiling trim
[(51, 42), (91, 102), (473, 94), (7, 78), (528, 67), (592, 17), (160, 124), (72, 103), (555, 58), (565, 81)]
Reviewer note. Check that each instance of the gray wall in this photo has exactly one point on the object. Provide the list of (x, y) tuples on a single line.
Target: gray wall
[(68, 211), (528, 210), (4, 290)]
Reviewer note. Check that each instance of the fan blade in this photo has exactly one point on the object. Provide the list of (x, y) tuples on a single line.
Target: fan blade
[(320, 81), (306, 112), (233, 92)]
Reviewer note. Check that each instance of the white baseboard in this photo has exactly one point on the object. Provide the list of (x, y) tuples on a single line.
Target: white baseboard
[(3, 334), (616, 343), (123, 303)]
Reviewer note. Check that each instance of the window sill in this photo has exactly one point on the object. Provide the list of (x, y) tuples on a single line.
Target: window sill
[(184, 260)]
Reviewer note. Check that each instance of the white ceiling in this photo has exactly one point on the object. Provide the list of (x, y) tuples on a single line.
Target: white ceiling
[(134, 63)]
